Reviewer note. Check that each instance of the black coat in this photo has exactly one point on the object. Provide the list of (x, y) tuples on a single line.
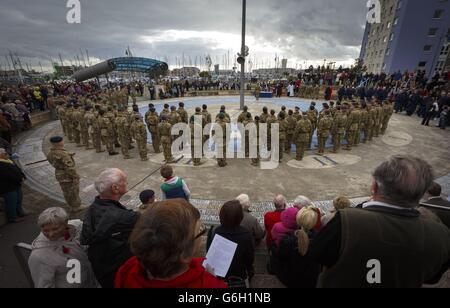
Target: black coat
[(242, 264), (11, 177), (291, 268), (106, 229)]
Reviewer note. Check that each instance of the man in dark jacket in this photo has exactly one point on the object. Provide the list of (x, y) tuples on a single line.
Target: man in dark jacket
[(107, 227), (11, 178), (438, 205), (385, 243)]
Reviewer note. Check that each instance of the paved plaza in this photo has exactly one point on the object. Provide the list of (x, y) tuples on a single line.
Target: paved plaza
[(321, 178)]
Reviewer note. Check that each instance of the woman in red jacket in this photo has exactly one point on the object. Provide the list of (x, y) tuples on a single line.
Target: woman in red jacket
[(164, 250)]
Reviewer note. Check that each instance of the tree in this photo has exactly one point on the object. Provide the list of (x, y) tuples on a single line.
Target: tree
[(205, 74)]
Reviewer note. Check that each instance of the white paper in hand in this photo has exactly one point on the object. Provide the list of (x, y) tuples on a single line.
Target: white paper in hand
[(220, 255)]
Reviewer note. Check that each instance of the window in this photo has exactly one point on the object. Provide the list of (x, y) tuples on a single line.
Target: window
[(427, 48), (438, 14), (399, 6), (392, 9), (395, 21), (388, 51), (422, 64), (389, 25), (432, 31), (384, 66), (391, 37), (385, 39)]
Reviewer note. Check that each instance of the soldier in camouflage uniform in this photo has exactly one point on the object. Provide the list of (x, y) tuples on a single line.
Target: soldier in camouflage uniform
[(323, 131), (340, 124), (365, 117), (297, 115), (378, 118), (93, 129), (207, 119), (123, 132), (372, 120), (174, 117), (152, 120), (107, 132), (194, 139), (111, 115), (243, 116), (302, 132), (61, 112), (312, 117), (76, 125), (272, 119), (183, 114), (165, 132), (291, 124), (221, 145), (255, 142), (139, 133), (66, 173), (283, 128), (247, 121), (165, 112), (357, 133), (282, 112), (352, 127), (227, 116), (264, 116), (85, 128)]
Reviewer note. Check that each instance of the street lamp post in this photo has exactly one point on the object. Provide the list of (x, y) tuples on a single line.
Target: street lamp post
[(243, 53)]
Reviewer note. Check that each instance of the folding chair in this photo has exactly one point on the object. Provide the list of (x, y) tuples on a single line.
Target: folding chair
[(22, 252)]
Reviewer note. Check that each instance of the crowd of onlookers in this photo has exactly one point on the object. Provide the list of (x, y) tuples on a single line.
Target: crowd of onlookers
[(404, 226)]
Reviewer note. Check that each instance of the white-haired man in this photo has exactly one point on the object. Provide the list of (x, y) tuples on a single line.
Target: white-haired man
[(301, 202), (385, 243), (250, 222), (107, 227), (271, 218)]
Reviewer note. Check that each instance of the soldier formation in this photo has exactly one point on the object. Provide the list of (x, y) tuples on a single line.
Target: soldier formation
[(104, 121)]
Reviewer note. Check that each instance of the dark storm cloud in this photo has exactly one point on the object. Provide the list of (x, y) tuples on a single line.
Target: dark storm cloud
[(305, 30)]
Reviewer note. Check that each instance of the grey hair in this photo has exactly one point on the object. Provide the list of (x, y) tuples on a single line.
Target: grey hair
[(107, 179), (404, 180), (53, 216), (280, 202), (302, 201), (244, 200), (3, 151)]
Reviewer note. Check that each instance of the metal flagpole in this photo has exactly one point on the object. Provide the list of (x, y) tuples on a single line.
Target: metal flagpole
[(243, 54)]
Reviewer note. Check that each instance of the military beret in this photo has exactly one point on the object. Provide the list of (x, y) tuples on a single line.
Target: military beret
[(56, 139)]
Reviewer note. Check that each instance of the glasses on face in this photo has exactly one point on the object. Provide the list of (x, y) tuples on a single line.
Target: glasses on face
[(203, 230)]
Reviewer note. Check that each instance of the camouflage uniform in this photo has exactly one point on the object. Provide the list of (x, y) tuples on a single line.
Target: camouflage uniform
[(123, 132), (263, 118), (372, 121), (183, 115), (61, 112), (112, 119), (357, 133), (193, 126), (291, 123), (152, 121), (84, 131), (164, 130), (206, 120), (378, 118), (364, 127), (270, 120), (302, 132), (340, 124), (76, 126), (165, 112), (66, 175), (139, 133), (222, 146), (352, 128), (312, 117), (255, 161), (283, 136), (323, 132), (106, 132)]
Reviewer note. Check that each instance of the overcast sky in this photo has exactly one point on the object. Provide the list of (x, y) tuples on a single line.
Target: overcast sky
[(299, 30)]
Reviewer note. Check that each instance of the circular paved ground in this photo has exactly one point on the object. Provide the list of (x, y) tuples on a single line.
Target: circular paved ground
[(320, 178)]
